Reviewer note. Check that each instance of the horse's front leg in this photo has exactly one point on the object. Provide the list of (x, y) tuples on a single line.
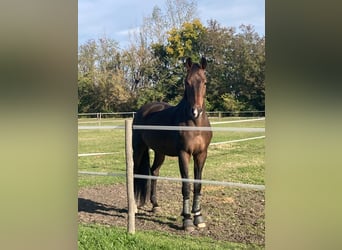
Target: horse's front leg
[(184, 159), (199, 160)]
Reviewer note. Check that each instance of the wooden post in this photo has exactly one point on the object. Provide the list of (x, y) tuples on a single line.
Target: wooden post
[(129, 177)]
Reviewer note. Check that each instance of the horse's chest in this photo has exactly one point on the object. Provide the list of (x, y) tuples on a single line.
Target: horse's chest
[(195, 143)]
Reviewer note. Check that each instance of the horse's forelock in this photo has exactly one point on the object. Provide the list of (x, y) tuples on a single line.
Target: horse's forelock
[(195, 72)]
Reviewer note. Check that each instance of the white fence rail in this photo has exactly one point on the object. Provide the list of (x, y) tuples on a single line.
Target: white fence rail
[(208, 182), (219, 114), (178, 128)]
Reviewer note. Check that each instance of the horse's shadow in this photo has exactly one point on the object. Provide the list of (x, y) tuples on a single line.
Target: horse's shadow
[(145, 214), (89, 206)]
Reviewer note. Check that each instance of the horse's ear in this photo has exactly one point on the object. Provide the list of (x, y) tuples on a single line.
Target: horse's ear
[(188, 63), (203, 63)]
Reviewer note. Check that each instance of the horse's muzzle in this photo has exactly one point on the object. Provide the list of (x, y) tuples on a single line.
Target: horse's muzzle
[(196, 112)]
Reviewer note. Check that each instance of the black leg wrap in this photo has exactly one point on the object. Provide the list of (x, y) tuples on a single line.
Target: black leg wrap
[(186, 207), (196, 205)]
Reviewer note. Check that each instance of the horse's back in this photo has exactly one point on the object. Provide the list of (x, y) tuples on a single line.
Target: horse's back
[(148, 109)]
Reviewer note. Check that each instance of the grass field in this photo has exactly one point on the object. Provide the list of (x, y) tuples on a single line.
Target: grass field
[(234, 162), (101, 237)]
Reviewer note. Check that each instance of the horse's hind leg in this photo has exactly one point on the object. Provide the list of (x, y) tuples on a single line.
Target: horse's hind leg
[(141, 166), (157, 162)]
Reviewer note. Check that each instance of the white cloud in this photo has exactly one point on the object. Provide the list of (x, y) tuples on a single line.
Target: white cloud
[(127, 32)]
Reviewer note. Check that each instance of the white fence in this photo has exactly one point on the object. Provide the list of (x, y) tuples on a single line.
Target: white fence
[(130, 114), (129, 160), (212, 182)]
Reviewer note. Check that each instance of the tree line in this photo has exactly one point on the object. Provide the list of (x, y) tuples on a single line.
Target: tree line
[(151, 68)]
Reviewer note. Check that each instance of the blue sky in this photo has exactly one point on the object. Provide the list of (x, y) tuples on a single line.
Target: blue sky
[(117, 18)]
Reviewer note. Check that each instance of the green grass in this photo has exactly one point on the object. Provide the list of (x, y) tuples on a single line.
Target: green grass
[(101, 141), (237, 162), (103, 237)]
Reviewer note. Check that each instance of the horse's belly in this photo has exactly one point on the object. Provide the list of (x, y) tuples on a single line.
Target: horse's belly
[(171, 143), (162, 143)]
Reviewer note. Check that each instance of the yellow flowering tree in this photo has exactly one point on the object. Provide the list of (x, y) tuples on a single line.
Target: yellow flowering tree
[(185, 42)]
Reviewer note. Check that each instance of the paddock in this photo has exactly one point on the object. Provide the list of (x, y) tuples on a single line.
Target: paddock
[(237, 146)]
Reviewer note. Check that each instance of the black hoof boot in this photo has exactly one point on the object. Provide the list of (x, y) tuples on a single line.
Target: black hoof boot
[(199, 221), (188, 225)]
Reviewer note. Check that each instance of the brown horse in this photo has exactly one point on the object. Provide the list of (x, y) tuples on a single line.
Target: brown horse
[(183, 143)]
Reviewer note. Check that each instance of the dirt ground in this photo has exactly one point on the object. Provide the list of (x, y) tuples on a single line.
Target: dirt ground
[(231, 214)]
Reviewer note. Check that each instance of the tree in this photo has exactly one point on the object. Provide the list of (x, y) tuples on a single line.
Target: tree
[(230, 103), (86, 94), (216, 46), (248, 78), (101, 84), (181, 43), (236, 67), (157, 25), (179, 12), (148, 67), (86, 76), (185, 42)]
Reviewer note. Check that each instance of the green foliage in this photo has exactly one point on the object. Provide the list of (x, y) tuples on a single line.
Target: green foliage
[(86, 95), (102, 237), (185, 42), (147, 95), (230, 103), (101, 81), (236, 66), (168, 74)]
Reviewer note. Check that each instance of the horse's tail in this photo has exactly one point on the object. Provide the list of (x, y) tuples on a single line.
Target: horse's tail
[(142, 187)]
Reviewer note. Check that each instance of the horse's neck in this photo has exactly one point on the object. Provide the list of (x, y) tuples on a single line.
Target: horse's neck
[(183, 102)]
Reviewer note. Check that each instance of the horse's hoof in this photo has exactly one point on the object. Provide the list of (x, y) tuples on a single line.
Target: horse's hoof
[(189, 229), (188, 226), (199, 221), (201, 225), (156, 210)]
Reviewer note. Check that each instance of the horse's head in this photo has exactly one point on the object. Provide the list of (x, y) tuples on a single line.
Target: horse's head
[(195, 86)]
